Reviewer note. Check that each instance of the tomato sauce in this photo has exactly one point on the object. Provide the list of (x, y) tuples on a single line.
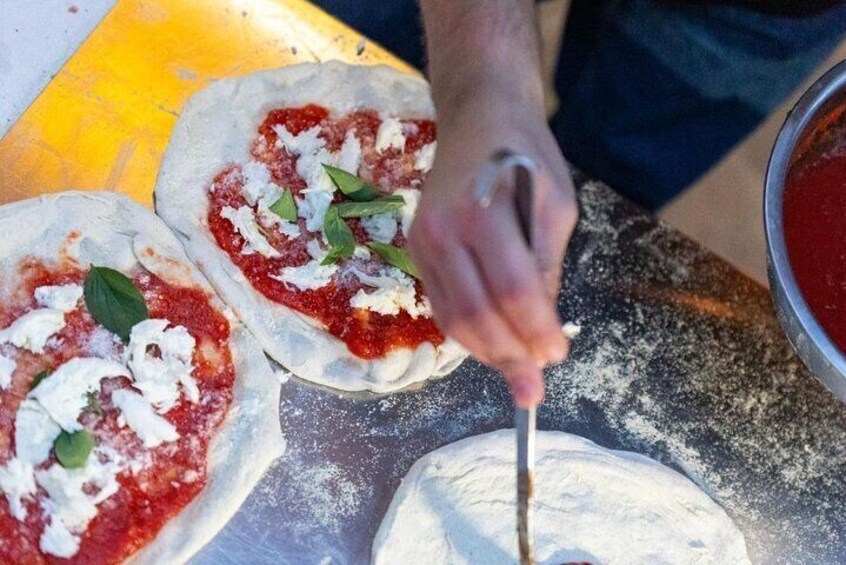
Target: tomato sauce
[(815, 232), (367, 334), (173, 473)]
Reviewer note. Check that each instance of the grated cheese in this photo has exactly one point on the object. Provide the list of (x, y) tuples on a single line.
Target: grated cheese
[(244, 222), (380, 227)]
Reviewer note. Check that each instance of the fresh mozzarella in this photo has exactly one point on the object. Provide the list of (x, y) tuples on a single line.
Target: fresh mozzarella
[(17, 482), (310, 276), (68, 504), (394, 292), (245, 224), (35, 432), (349, 159), (57, 540), (425, 157), (64, 393), (158, 376), (409, 210), (64, 297), (390, 135), (385, 301), (7, 368), (32, 330), (380, 227), (137, 412)]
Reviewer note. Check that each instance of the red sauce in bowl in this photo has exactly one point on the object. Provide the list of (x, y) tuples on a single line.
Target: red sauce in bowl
[(815, 233)]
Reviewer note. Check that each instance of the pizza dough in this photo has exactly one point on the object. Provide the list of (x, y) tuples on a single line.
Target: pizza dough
[(110, 230), (457, 505), (217, 129)]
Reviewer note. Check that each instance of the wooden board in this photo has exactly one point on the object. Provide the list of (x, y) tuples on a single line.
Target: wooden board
[(104, 121)]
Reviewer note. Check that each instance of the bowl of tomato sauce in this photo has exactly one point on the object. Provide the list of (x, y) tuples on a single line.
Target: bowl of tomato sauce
[(805, 222)]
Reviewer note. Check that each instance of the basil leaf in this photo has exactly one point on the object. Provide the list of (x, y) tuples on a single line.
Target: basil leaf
[(337, 232), (395, 257), (72, 449), (335, 254), (355, 188), (378, 206), (113, 300), (285, 207), (38, 378)]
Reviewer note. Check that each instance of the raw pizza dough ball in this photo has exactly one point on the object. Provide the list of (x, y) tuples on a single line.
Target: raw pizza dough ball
[(458, 505)]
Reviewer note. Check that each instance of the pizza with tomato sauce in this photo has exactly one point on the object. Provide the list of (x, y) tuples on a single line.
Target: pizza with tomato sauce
[(135, 415), (294, 190)]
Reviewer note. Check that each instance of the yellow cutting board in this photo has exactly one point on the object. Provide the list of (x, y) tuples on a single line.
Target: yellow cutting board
[(104, 121)]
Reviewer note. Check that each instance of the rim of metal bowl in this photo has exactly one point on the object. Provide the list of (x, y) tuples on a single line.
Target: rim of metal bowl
[(781, 273)]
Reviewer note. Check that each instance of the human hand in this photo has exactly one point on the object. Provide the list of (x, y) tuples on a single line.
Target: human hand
[(489, 291)]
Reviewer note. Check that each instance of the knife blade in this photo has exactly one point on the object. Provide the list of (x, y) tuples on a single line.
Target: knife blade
[(524, 419)]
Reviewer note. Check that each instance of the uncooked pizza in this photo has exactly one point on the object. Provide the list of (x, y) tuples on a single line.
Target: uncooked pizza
[(135, 415), (294, 190), (457, 505)]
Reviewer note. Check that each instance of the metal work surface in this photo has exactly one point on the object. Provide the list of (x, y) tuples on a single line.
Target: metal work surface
[(681, 358)]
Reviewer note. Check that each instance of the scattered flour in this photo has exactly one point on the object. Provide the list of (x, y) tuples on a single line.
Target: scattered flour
[(679, 359)]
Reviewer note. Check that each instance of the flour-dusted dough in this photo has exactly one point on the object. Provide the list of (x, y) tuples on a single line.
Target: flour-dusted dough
[(115, 232), (458, 505), (216, 129)]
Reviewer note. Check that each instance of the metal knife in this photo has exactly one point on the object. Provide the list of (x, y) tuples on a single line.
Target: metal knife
[(489, 180)]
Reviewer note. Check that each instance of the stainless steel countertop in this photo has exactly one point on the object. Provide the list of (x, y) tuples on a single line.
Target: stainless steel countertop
[(681, 358)]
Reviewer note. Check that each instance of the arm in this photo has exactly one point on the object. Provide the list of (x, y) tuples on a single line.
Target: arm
[(487, 289)]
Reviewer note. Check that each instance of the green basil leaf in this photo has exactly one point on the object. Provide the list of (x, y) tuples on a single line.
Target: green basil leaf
[(94, 404), (335, 254), (378, 206), (72, 449), (355, 188), (285, 207), (395, 257), (38, 378), (113, 300), (337, 232)]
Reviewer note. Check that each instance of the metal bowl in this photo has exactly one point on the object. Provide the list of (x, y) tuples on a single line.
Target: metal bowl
[(807, 132)]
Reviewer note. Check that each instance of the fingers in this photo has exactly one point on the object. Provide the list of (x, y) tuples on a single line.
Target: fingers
[(511, 276), (467, 314), (557, 215), (526, 383)]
